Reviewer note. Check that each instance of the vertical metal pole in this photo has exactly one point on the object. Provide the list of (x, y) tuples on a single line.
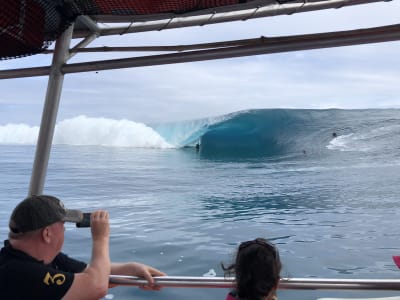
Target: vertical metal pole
[(49, 115)]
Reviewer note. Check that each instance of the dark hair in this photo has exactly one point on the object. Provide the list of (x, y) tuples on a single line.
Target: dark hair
[(257, 269)]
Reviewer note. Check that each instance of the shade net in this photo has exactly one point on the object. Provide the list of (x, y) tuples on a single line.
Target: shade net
[(29, 26)]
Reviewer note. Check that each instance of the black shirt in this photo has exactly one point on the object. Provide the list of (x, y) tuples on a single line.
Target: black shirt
[(23, 277)]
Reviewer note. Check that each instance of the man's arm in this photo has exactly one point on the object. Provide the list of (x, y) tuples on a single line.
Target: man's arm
[(136, 269), (92, 283)]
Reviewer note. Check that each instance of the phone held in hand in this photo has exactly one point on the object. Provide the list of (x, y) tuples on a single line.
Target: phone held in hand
[(85, 221)]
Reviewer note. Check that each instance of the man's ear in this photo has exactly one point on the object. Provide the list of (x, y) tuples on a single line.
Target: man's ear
[(46, 235)]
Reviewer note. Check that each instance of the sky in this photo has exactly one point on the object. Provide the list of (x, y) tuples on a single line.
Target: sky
[(364, 76)]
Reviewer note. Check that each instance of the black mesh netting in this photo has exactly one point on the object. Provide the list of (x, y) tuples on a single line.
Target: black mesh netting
[(29, 26), (137, 7)]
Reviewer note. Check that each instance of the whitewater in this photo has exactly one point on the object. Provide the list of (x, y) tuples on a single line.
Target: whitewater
[(82, 130), (321, 184)]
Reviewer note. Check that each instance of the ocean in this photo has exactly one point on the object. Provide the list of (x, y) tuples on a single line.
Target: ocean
[(321, 184)]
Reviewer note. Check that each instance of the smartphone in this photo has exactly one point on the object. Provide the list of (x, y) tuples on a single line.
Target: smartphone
[(85, 221)]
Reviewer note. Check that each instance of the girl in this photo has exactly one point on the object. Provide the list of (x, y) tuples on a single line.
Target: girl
[(257, 269)]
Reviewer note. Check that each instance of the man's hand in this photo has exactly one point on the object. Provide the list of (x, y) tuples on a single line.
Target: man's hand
[(147, 272), (139, 270), (100, 225)]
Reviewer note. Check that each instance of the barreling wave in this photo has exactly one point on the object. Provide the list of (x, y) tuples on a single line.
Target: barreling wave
[(250, 133), (268, 132), (282, 132)]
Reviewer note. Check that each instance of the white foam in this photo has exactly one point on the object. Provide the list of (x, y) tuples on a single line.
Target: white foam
[(341, 143), (210, 273), (366, 139), (360, 142), (18, 134), (83, 130)]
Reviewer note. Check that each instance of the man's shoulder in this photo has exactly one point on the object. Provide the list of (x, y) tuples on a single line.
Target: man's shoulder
[(10, 255), (14, 262)]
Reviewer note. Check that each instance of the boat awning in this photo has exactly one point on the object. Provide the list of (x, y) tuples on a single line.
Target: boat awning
[(29, 26)]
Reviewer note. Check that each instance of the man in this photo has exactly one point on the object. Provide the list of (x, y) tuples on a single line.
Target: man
[(32, 265)]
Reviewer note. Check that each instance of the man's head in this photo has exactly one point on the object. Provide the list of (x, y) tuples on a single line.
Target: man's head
[(37, 212)]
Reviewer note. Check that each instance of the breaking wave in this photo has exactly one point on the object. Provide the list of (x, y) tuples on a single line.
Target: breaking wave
[(261, 132), (87, 131)]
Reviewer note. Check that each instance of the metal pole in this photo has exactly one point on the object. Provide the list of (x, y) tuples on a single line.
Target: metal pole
[(285, 283), (277, 45), (49, 115), (82, 44), (257, 47), (214, 15)]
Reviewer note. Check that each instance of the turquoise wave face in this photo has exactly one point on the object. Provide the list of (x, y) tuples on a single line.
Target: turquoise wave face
[(252, 133), (282, 132)]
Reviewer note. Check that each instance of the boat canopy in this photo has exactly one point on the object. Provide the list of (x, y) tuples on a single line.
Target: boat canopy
[(29, 26)]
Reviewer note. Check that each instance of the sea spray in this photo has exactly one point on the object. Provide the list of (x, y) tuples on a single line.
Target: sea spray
[(18, 134), (83, 130)]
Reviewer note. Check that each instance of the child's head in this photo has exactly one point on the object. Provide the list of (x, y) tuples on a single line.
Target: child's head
[(257, 269)]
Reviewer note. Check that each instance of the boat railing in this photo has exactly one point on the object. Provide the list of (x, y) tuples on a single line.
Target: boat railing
[(285, 283)]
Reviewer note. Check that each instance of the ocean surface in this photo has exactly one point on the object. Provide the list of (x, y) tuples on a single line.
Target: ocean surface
[(321, 184)]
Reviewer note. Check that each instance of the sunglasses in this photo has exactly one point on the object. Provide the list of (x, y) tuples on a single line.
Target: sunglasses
[(262, 242)]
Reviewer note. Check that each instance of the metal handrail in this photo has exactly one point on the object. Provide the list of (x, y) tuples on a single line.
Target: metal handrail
[(285, 283)]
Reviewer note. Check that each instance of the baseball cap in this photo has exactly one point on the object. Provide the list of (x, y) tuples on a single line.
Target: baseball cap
[(39, 211)]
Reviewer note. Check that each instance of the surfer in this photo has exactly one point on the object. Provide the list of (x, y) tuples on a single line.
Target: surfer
[(32, 265), (334, 134), (257, 269), (197, 147)]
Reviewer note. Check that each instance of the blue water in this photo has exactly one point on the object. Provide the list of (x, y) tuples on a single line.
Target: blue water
[(330, 204)]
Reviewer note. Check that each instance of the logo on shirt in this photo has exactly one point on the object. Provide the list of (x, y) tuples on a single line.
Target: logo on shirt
[(58, 279)]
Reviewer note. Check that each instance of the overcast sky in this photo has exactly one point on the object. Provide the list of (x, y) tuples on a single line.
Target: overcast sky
[(366, 76)]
